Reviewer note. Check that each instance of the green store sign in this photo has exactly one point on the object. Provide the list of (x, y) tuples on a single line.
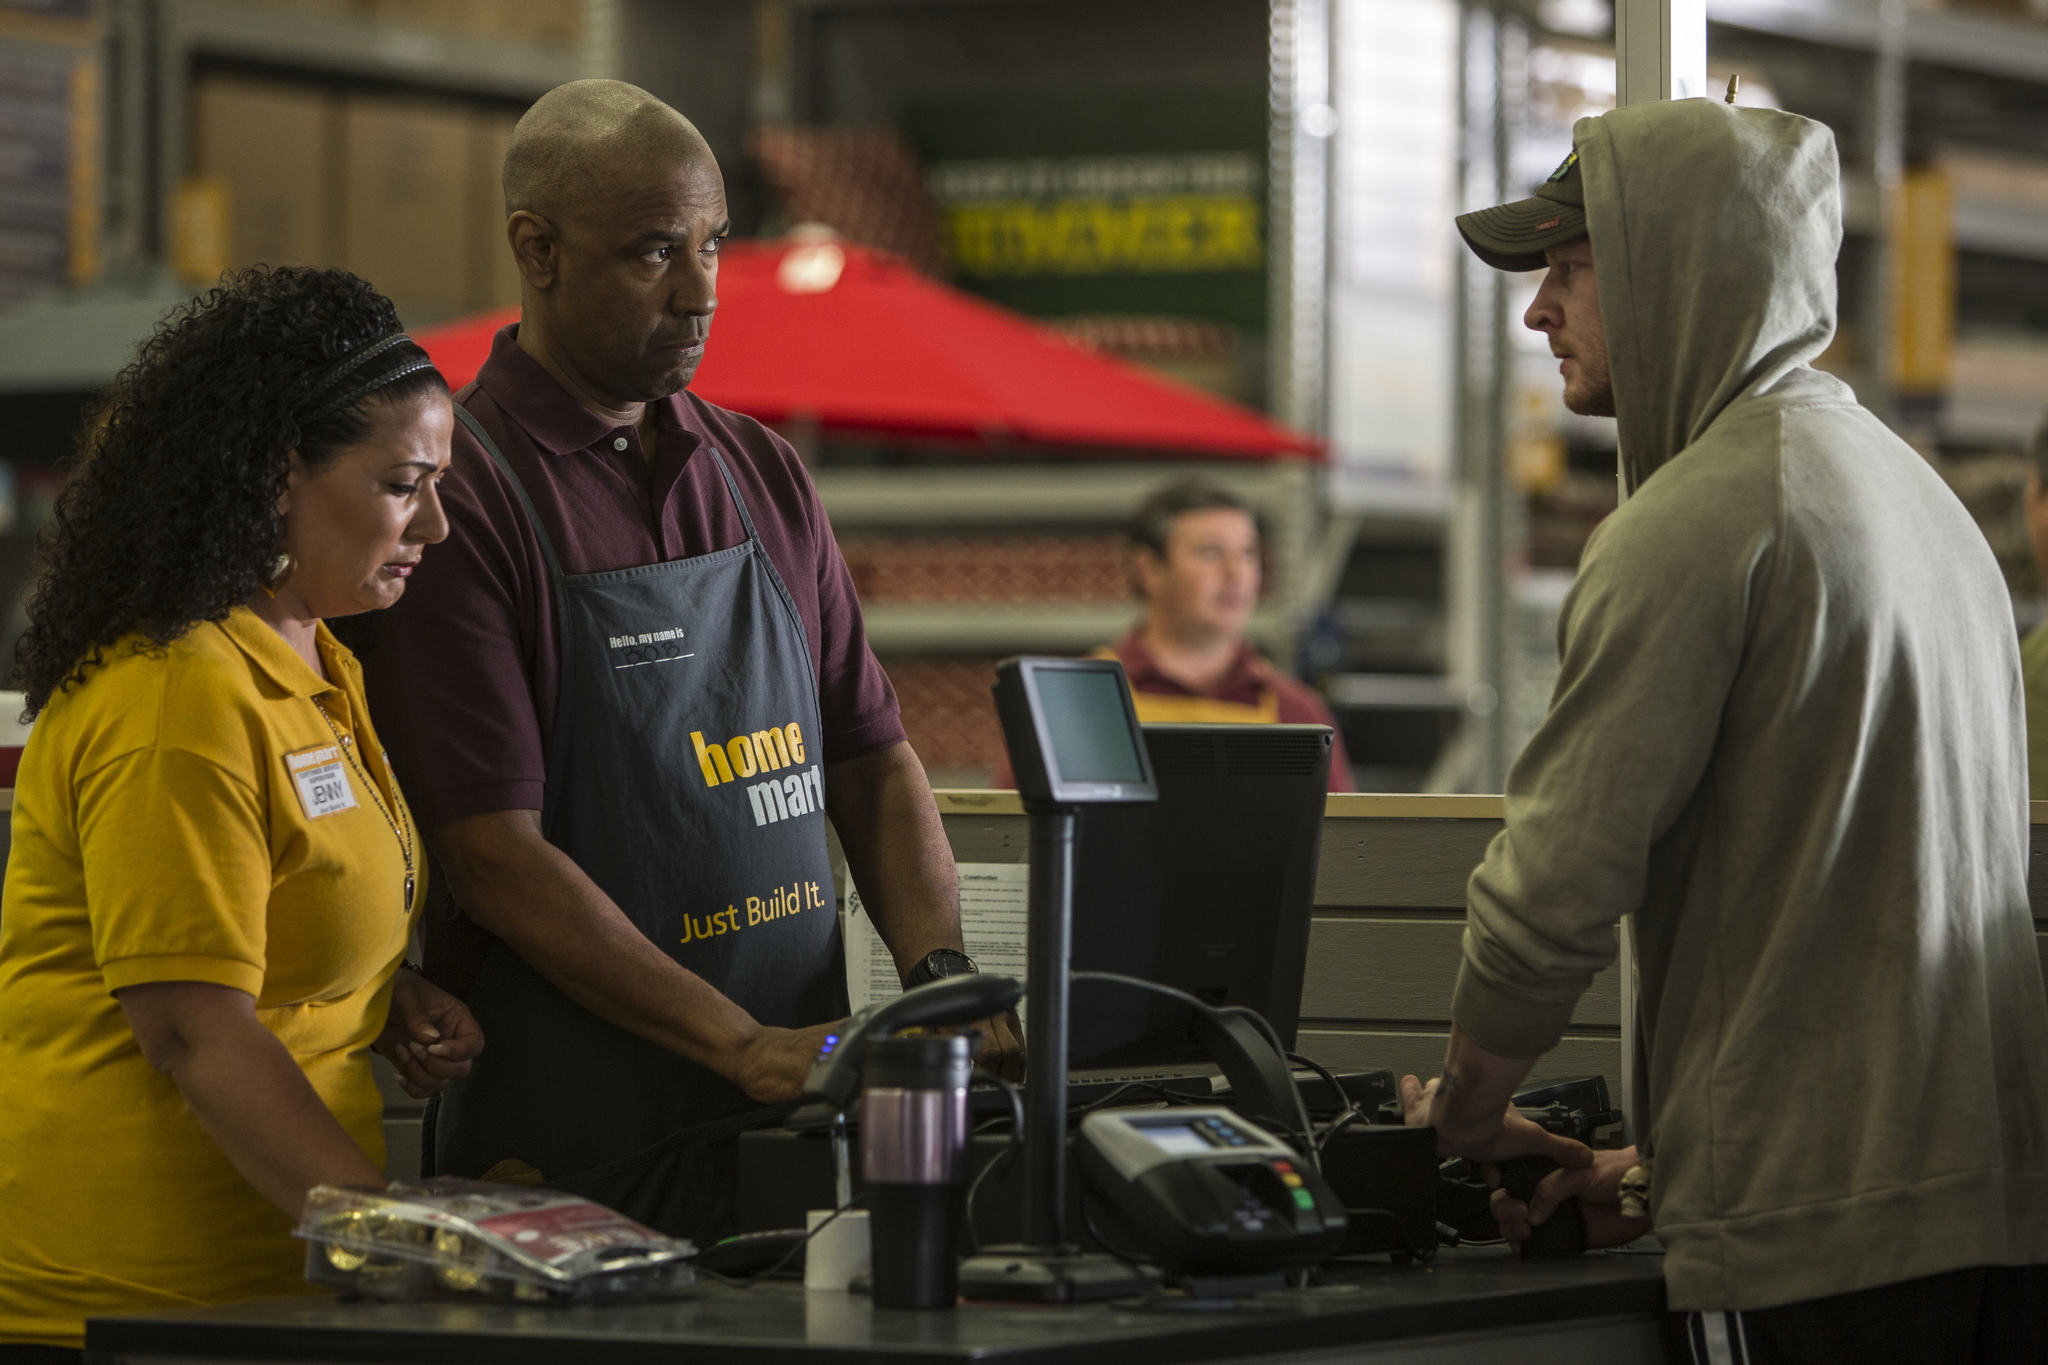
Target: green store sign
[(1062, 203)]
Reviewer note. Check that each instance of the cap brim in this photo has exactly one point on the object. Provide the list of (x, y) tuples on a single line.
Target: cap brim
[(1515, 236)]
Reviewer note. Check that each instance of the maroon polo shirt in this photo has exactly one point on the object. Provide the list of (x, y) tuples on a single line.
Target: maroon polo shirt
[(464, 673), (1251, 676)]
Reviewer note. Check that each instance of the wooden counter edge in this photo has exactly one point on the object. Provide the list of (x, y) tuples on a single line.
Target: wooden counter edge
[(1344, 806), (1340, 806)]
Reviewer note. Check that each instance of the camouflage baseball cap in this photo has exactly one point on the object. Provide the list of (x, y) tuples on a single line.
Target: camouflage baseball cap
[(1514, 236)]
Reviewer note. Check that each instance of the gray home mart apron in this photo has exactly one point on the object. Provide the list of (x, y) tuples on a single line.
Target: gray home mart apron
[(685, 778)]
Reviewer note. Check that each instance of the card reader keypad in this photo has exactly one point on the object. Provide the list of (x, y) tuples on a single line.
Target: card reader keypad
[(1232, 1199), (1253, 1213), (1291, 1178)]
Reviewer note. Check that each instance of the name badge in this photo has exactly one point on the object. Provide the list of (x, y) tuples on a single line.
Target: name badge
[(321, 775)]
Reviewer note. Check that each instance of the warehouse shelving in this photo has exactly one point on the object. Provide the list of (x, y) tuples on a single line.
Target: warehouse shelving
[(986, 496), (2001, 229), (361, 46), (1886, 74), (150, 52), (1892, 30), (49, 71), (902, 629), (78, 344), (1971, 42), (1892, 38), (1396, 692), (939, 633), (153, 46), (1943, 86)]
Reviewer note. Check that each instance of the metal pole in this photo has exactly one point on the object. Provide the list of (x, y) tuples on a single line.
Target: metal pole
[(1048, 948), (1510, 63), (1472, 558), (1660, 50), (774, 98), (601, 38), (171, 100), (1298, 204), (1888, 166), (126, 87)]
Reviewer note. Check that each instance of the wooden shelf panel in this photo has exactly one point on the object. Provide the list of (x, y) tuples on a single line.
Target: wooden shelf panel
[(346, 45), (1967, 41), (2003, 229), (967, 628), (983, 494)]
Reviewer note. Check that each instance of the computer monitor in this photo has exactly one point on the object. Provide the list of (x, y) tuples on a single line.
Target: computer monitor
[(1072, 731), (1209, 889)]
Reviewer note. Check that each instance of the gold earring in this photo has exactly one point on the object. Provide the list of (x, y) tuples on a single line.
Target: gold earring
[(276, 572)]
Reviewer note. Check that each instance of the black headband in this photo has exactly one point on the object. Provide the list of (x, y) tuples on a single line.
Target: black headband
[(348, 396)]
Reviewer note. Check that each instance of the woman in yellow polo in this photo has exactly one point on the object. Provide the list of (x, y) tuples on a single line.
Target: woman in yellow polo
[(213, 874)]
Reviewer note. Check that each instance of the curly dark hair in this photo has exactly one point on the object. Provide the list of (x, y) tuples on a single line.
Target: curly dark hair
[(170, 513)]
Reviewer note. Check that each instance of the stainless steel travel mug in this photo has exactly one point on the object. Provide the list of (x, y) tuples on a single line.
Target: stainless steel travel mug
[(913, 1132)]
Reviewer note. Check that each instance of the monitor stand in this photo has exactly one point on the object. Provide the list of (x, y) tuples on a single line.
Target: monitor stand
[(1045, 1267)]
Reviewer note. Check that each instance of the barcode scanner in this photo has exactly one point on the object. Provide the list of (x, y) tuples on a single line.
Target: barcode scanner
[(834, 1079)]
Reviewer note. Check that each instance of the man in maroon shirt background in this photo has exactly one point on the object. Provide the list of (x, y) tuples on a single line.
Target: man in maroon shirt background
[(616, 210), (1195, 559)]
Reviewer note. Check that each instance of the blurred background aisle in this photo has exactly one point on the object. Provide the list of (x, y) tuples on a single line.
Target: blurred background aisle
[(1236, 211)]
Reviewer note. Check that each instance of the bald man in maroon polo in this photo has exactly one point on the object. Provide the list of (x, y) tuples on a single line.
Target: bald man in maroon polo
[(636, 578)]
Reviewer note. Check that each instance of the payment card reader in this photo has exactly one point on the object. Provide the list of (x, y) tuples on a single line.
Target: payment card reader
[(1203, 1192)]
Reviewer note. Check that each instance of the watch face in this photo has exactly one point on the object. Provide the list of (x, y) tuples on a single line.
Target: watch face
[(945, 963)]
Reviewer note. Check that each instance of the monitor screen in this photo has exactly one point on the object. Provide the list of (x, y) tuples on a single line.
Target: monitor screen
[(1180, 1139), (1092, 737)]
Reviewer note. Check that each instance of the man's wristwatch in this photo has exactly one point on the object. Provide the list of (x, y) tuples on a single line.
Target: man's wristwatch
[(939, 964)]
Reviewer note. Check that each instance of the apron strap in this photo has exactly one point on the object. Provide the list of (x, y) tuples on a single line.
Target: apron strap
[(547, 547), (732, 486)]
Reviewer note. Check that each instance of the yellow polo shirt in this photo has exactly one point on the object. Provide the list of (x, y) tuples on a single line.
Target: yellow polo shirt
[(183, 815)]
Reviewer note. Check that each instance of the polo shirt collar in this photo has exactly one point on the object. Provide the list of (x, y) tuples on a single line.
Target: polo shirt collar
[(547, 412), (1249, 667), (1137, 660), (278, 661)]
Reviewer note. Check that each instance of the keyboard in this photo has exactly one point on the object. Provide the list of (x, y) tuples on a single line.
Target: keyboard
[(1086, 1088), (1369, 1089)]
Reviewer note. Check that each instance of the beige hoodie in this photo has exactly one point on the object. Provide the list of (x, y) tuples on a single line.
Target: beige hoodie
[(1788, 736)]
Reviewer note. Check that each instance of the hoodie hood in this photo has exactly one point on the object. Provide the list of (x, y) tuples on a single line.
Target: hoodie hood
[(1714, 232)]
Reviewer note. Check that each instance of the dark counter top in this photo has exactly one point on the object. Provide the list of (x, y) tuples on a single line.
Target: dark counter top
[(1467, 1290)]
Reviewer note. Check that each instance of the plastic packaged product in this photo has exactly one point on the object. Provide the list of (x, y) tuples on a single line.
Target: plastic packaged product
[(446, 1237)]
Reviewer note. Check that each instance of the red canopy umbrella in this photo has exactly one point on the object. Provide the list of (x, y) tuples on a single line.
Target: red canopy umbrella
[(854, 339)]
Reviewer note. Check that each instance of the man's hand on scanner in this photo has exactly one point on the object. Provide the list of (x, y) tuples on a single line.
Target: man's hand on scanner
[(1002, 1046), (773, 1063), (1597, 1187), (1489, 1139)]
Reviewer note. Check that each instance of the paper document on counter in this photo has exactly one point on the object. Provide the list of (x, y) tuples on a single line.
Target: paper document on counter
[(994, 915)]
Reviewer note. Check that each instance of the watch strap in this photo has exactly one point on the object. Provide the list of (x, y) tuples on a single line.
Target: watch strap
[(928, 967)]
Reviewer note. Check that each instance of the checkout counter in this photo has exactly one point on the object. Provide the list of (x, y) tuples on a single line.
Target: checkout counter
[(1478, 1306), (1383, 953)]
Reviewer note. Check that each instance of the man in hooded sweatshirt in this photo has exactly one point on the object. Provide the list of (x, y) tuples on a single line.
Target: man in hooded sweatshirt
[(1788, 738)]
